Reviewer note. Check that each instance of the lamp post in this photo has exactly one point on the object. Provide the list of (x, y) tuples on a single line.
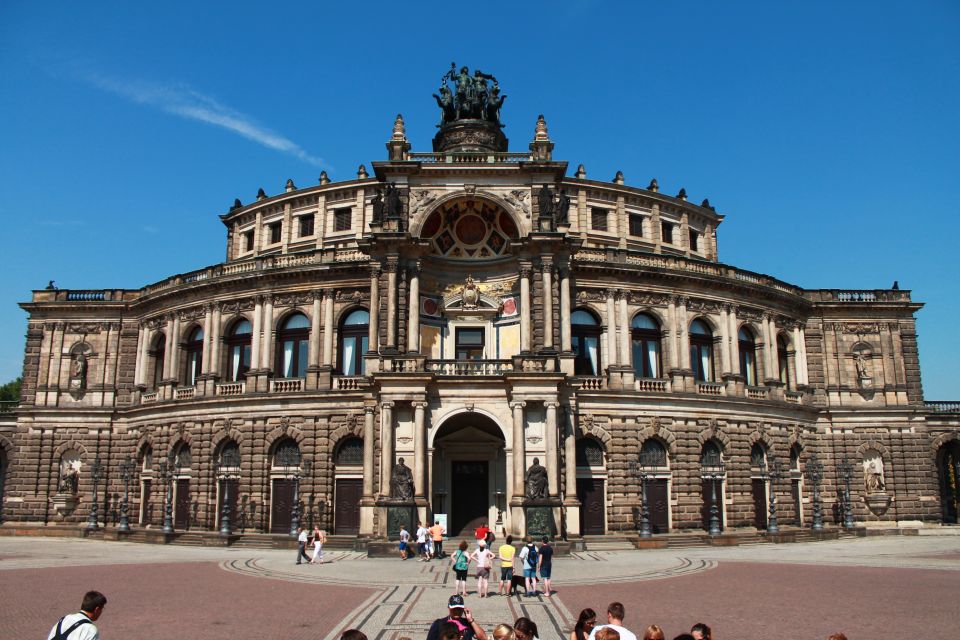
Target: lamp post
[(229, 461), (775, 473), (713, 473), (96, 471), (845, 469), (126, 473), (166, 473), (648, 460), (815, 474)]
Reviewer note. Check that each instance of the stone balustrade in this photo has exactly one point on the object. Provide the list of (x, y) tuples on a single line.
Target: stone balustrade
[(231, 388), (148, 397), (711, 389), (592, 383), (469, 367), (940, 406), (351, 383), (185, 393), (286, 385), (652, 385), (758, 393), (793, 397)]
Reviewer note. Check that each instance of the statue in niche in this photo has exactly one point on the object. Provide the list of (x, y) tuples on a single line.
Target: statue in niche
[(377, 203), (471, 295), (545, 202), (392, 206), (562, 213), (536, 481), (69, 480), (861, 363), (78, 372), (873, 475), (401, 482)]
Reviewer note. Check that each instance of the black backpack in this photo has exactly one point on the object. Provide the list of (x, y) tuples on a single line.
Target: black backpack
[(63, 635), (532, 556)]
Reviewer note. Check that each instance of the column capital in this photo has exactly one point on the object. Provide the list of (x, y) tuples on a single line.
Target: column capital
[(387, 405), (682, 300), (419, 404), (551, 405), (518, 404), (525, 270), (546, 263), (391, 264), (375, 269), (369, 409), (611, 293), (330, 294), (208, 307), (268, 298), (415, 266)]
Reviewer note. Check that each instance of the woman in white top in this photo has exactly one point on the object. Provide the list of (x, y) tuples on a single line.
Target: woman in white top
[(319, 537)]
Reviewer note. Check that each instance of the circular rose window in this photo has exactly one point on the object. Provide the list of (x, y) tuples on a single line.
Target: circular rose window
[(471, 229)]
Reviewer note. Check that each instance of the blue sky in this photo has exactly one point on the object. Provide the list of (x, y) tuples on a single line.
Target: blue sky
[(826, 132)]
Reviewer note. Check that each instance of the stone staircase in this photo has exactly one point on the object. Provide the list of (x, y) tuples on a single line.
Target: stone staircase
[(609, 543)]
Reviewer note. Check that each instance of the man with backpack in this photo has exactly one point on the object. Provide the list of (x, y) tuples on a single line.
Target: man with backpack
[(79, 626), (530, 557)]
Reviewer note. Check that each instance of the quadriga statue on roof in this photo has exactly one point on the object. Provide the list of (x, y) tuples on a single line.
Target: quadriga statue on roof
[(470, 98)]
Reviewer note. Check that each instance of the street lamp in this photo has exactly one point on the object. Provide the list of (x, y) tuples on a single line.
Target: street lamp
[(815, 474), (775, 473), (126, 473), (166, 474), (229, 460), (845, 469), (713, 473), (648, 460), (96, 472)]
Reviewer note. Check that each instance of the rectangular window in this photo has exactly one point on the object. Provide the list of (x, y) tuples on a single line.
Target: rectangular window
[(306, 226), (248, 240), (598, 219), (694, 237), (636, 225), (470, 344), (274, 228), (341, 219), (666, 233)]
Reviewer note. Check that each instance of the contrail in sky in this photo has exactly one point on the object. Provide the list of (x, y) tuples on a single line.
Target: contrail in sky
[(181, 100)]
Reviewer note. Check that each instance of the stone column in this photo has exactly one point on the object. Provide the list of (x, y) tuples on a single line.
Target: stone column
[(726, 367), (369, 444), (570, 461), (328, 296), (142, 335), (386, 447), (266, 350), (174, 344), (565, 337), (553, 457), (767, 349), (392, 304), (419, 450), (207, 321), (413, 317), (624, 330), (215, 339), (519, 449), (547, 303), (734, 341), (684, 333), (800, 354), (526, 326), (373, 337), (315, 324), (256, 339), (673, 335), (612, 342)]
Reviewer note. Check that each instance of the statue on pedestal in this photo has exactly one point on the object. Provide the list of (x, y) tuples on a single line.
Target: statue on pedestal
[(401, 482), (535, 483), (69, 481)]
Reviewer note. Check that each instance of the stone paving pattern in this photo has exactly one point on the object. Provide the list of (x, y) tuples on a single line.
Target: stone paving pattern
[(867, 587)]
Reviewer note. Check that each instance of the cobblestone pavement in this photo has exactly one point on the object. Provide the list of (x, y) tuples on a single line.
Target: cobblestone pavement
[(869, 586)]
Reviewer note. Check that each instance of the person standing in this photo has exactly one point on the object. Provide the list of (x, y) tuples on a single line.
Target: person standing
[(615, 615), (404, 542), (462, 618), (484, 558), (531, 558), (506, 553), (422, 549), (461, 564), (79, 626), (319, 537), (436, 534), (546, 565), (482, 532), (302, 545)]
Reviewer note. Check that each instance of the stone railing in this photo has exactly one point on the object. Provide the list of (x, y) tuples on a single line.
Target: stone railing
[(592, 383), (469, 367), (185, 393), (148, 397), (859, 295), (231, 388), (286, 385), (7, 407), (793, 397), (758, 393), (652, 385), (351, 383), (469, 157), (940, 406), (710, 388), (405, 365)]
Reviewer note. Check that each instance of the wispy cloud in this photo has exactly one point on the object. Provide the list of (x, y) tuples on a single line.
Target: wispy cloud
[(181, 100)]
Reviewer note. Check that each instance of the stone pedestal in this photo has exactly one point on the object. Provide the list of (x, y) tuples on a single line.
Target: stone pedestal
[(393, 513), (540, 517), (878, 502), (64, 503)]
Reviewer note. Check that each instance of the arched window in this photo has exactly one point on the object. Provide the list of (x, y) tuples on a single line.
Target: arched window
[(795, 459), (646, 346), (589, 453), (350, 453), (585, 330), (293, 342), (229, 457), (157, 354), (287, 453), (701, 351), (193, 348), (710, 455), (783, 365), (758, 458), (354, 336), (238, 350), (146, 458), (183, 458), (748, 356), (653, 454)]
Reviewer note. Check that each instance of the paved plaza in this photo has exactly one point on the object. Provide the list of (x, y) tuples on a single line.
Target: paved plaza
[(865, 587)]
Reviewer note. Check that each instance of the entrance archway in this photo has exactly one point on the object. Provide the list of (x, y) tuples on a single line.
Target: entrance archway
[(469, 473), (948, 467)]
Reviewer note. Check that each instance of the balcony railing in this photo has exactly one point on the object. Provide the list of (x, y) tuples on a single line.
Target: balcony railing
[(710, 388), (7, 406), (286, 385), (469, 367), (758, 393), (941, 406), (794, 397), (352, 383), (231, 388), (589, 383), (651, 385), (405, 365), (185, 393), (469, 157), (148, 397)]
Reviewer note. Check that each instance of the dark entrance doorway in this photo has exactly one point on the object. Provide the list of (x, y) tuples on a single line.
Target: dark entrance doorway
[(592, 507), (659, 498), (707, 491), (346, 508), (949, 472), (234, 492), (146, 509), (281, 505), (181, 516), (759, 503), (797, 509), (470, 484)]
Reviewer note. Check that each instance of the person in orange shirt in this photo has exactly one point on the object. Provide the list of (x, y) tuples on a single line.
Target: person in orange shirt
[(436, 534)]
